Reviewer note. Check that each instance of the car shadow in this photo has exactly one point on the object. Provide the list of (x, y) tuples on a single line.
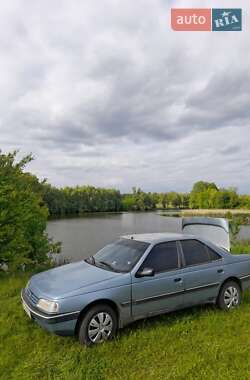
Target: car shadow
[(170, 318)]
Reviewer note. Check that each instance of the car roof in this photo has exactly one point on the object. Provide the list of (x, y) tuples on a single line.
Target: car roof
[(154, 238)]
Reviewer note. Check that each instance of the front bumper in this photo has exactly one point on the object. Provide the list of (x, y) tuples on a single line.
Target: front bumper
[(63, 323)]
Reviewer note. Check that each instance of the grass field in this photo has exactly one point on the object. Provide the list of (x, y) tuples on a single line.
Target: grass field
[(199, 343), (202, 212), (215, 212), (241, 215)]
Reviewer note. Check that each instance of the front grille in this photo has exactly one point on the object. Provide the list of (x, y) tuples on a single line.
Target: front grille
[(31, 296)]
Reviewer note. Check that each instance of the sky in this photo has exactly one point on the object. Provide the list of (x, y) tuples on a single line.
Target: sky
[(105, 93)]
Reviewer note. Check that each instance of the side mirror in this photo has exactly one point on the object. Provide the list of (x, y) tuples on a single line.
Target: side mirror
[(145, 272)]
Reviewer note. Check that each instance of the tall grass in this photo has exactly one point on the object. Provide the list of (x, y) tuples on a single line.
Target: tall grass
[(241, 246), (214, 212)]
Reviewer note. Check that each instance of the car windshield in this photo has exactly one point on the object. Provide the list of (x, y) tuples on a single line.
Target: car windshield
[(120, 256)]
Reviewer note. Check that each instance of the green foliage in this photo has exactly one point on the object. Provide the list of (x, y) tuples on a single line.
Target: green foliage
[(23, 215), (205, 195), (129, 203), (240, 247), (195, 344), (201, 186), (84, 199), (80, 199), (174, 200), (244, 201), (139, 201), (234, 227)]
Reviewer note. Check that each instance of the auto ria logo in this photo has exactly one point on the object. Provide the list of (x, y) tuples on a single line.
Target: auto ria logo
[(206, 19)]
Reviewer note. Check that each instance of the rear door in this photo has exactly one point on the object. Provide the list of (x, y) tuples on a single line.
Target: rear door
[(202, 272), (163, 291)]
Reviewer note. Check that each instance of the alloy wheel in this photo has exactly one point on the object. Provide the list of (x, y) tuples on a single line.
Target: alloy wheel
[(100, 327), (231, 297)]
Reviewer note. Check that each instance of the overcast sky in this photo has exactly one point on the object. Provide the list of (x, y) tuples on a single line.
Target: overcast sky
[(102, 92)]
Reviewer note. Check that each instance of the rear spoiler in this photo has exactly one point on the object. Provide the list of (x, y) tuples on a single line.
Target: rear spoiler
[(216, 230)]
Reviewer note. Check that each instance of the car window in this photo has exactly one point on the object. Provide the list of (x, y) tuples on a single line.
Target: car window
[(120, 256), (213, 255), (195, 252), (163, 257)]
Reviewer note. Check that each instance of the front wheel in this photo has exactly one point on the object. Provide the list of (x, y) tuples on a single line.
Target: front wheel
[(229, 296), (98, 325)]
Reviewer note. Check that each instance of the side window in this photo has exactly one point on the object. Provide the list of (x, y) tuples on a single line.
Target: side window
[(163, 257), (213, 255), (195, 252)]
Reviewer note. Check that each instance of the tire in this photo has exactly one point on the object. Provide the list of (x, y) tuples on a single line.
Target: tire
[(229, 296), (98, 325)]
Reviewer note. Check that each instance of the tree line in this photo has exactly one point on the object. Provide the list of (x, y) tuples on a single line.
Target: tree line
[(80, 199), (84, 199)]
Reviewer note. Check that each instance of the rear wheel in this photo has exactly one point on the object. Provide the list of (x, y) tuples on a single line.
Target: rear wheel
[(98, 325), (229, 296)]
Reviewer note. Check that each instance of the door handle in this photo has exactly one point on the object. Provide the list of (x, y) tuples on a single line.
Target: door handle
[(178, 279), (220, 270)]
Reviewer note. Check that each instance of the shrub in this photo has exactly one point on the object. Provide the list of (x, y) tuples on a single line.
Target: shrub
[(23, 216)]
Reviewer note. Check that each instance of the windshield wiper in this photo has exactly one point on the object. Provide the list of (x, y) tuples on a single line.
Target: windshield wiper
[(106, 265)]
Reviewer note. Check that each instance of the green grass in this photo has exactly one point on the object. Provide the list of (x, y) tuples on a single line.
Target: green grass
[(241, 246), (199, 343)]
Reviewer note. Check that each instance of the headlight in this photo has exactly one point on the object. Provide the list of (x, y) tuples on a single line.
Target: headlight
[(48, 306)]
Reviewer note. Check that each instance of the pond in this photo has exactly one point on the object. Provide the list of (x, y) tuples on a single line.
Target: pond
[(84, 236)]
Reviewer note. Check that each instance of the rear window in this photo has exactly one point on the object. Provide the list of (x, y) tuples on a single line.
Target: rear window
[(195, 252), (213, 255)]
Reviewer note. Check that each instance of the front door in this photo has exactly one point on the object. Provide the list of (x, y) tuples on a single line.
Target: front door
[(163, 291)]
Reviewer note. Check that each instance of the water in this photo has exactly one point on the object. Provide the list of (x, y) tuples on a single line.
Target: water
[(84, 236)]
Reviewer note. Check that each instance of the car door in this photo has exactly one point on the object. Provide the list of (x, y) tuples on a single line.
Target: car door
[(202, 272), (163, 291)]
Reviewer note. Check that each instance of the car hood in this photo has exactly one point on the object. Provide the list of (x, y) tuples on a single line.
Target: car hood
[(61, 281)]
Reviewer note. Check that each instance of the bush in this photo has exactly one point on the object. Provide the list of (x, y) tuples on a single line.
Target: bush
[(241, 247), (23, 216)]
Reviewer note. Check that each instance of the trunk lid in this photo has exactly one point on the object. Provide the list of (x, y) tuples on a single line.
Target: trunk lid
[(216, 230)]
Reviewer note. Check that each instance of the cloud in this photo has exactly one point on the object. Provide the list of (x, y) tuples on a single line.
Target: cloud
[(105, 93)]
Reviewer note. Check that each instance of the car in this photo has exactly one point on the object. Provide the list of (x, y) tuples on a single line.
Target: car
[(139, 276)]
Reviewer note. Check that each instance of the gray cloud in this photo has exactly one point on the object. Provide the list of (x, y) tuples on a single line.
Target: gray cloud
[(105, 93), (231, 150)]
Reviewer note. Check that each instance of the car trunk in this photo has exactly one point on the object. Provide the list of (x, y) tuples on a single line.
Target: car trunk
[(215, 230)]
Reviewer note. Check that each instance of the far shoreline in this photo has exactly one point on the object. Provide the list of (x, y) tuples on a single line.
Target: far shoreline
[(161, 211)]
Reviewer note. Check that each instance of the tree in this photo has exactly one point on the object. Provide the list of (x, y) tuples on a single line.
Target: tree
[(202, 186), (184, 200), (23, 215), (163, 199), (244, 201), (174, 199), (80, 199), (128, 202)]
